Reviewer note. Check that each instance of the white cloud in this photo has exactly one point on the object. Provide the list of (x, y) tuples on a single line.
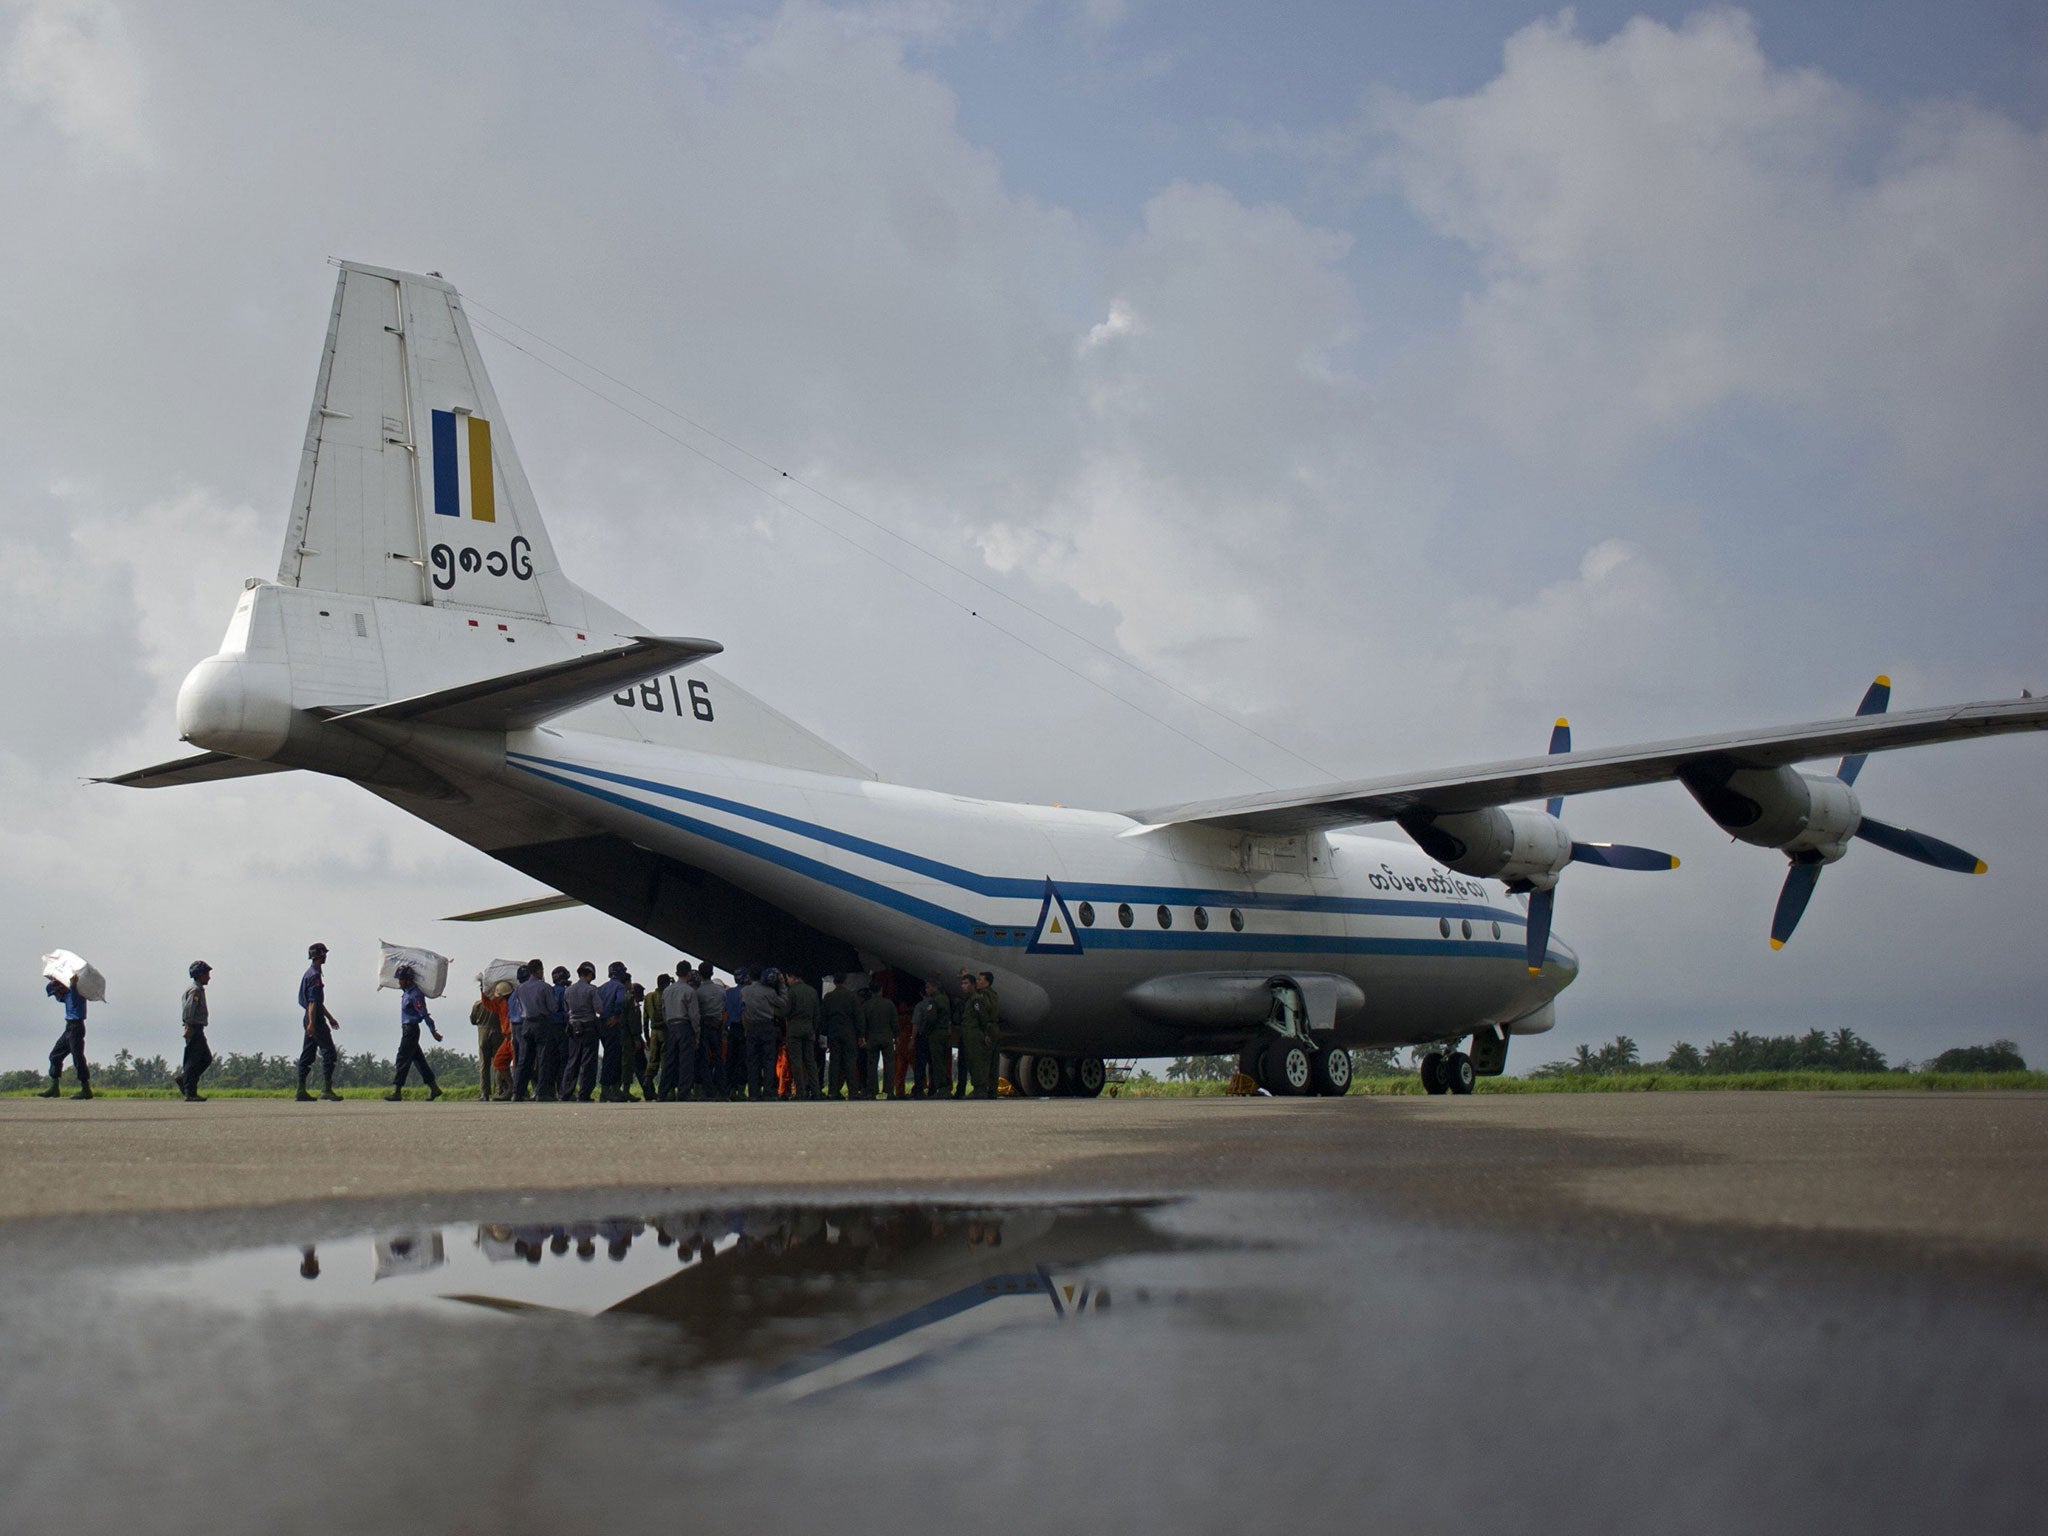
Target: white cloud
[(74, 61)]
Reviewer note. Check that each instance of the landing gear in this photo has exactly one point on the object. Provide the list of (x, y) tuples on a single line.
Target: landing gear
[(1286, 1067), (1090, 1074), (1330, 1074), (1041, 1077), (1447, 1072)]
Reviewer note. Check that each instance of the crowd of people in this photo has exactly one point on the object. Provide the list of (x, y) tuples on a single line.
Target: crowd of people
[(553, 1036)]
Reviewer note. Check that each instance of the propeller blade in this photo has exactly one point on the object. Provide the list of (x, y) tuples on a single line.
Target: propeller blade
[(1918, 845), (1876, 699), (1800, 880), (1621, 856), (1541, 905), (1560, 741)]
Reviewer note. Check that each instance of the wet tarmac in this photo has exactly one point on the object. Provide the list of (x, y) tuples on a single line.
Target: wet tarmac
[(1278, 1359)]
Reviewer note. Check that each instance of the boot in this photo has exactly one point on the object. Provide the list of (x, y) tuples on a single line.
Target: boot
[(395, 1096), (327, 1087), (178, 1081), (433, 1092), (195, 1098), (52, 1091), (302, 1097), (84, 1091)]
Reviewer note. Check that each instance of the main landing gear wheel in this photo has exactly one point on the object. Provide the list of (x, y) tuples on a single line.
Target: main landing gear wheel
[(1089, 1076), (1043, 1077), (1286, 1068), (1332, 1074), (1434, 1078), (1458, 1074)]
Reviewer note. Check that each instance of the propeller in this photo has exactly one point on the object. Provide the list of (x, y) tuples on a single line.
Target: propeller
[(1801, 878), (1543, 903)]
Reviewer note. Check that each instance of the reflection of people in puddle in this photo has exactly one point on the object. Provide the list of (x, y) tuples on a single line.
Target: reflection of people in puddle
[(586, 1248), (309, 1263)]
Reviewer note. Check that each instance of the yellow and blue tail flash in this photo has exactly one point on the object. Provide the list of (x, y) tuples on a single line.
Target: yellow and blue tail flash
[(462, 467)]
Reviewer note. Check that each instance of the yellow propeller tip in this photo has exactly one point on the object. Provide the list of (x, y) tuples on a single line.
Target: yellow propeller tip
[(1535, 970), (1883, 681), (1674, 861), (1562, 721), (1777, 943), (1981, 868)]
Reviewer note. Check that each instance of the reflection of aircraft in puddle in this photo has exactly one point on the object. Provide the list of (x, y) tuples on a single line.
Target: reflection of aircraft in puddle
[(820, 1297)]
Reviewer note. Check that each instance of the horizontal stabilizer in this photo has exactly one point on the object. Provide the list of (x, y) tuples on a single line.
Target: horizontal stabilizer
[(203, 768), (515, 701), (517, 909)]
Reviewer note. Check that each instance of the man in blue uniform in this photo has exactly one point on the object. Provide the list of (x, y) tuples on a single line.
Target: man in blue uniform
[(614, 1003), (710, 1033), (319, 1026), (579, 1073), (412, 1013), (762, 1010), (71, 1043), (532, 1001), (679, 1018), (193, 1018)]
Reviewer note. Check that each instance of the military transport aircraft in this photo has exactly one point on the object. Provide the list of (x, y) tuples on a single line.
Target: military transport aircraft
[(421, 640)]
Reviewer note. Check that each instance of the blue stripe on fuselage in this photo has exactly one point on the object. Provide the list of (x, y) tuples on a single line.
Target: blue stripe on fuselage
[(977, 930), (1002, 886)]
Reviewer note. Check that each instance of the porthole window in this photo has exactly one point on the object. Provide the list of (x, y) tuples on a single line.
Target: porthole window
[(1202, 917), (1087, 915), (1443, 926), (1467, 925), (1496, 930), (1237, 919), (1166, 917), (1123, 913)]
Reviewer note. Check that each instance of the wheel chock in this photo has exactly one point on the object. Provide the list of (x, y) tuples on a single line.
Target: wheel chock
[(1241, 1086)]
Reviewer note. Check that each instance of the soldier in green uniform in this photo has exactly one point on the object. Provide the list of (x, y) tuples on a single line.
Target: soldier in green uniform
[(992, 1032), (956, 1033), (801, 1030), (657, 1033), (932, 1021), (878, 1043), (978, 1037), (839, 1013)]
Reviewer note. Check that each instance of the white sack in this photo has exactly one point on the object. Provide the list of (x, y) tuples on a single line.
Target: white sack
[(430, 969), (501, 976), (81, 975)]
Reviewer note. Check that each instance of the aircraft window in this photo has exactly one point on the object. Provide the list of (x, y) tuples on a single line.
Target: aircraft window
[(1123, 913), (1087, 916), (1165, 917), (1237, 919), (1496, 930), (1202, 917), (1468, 927), (1443, 926)]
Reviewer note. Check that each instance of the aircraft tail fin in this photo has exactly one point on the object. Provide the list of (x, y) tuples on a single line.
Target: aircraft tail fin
[(409, 487)]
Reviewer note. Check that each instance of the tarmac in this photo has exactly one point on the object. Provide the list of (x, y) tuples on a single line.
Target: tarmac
[(1579, 1312)]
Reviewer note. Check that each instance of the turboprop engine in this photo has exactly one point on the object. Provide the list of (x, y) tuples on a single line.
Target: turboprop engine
[(1811, 818)]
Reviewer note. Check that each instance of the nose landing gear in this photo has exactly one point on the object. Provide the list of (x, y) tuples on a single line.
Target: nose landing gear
[(1447, 1072)]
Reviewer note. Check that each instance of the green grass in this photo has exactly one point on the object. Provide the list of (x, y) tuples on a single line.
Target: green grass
[(414, 1092), (1666, 1082)]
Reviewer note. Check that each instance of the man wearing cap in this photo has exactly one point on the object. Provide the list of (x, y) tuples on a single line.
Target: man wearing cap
[(839, 1015), (614, 1006), (878, 1036), (802, 1031), (487, 1017), (71, 1043), (412, 1013), (319, 1026), (197, 1057), (930, 1019), (761, 1012), (655, 1024), (583, 1005), (710, 1032)]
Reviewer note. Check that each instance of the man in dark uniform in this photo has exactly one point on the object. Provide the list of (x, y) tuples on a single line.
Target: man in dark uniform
[(803, 1035), (537, 1071), (71, 1043), (193, 1016), (839, 1013), (614, 1008), (762, 1009), (319, 1026), (930, 1019), (583, 1005), (656, 1024), (736, 1034), (412, 1013), (679, 1019), (878, 1048), (710, 1033)]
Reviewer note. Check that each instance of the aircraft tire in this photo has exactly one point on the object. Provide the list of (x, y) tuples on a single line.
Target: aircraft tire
[(1089, 1076), (1288, 1069), (1044, 1077), (1332, 1075), (1434, 1078), (1022, 1082), (1458, 1074)]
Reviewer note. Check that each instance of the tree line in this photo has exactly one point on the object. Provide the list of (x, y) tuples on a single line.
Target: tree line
[(1815, 1051), (235, 1069)]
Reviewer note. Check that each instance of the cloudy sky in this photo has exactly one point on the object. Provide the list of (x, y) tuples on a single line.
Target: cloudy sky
[(1389, 379)]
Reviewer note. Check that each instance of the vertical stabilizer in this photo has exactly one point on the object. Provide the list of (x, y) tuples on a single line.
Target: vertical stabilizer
[(409, 488)]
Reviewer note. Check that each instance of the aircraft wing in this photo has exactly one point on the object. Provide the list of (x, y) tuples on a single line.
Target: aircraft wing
[(528, 908), (513, 701), (201, 768), (1285, 812)]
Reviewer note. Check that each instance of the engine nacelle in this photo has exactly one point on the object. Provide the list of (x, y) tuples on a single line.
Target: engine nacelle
[(1527, 848), (1809, 816)]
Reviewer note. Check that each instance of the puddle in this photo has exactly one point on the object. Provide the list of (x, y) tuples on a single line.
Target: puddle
[(802, 1298)]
